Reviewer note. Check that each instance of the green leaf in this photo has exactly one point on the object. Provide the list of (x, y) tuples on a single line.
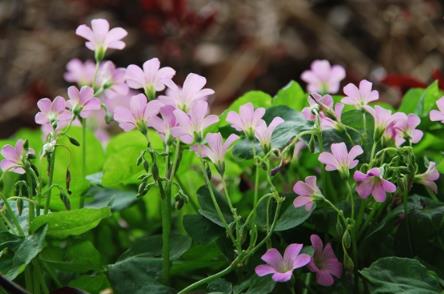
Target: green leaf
[(292, 96), (401, 275), (151, 246), (432, 94), (93, 284), (207, 208), (80, 256), (200, 257), (70, 157), (71, 223), (220, 286), (201, 230), (290, 217), (421, 101), (20, 252), (425, 223), (294, 124), (411, 101), (120, 168), (99, 197), (138, 275), (255, 284)]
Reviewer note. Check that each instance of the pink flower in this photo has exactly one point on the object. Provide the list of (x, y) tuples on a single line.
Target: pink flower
[(331, 121), (324, 262), (112, 80), (359, 97), (53, 114), (383, 117), (216, 149), (264, 133), (316, 101), (165, 123), (339, 158), (82, 102), (152, 78), (192, 90), (99, 37), (329, 115), (404, 128), (138, 115), (373, 183), (323, 78), (79, 72), (436, 115), (247, 120), (306, 192), (282, 267), (191, 126), (14, 156), (429, 177)]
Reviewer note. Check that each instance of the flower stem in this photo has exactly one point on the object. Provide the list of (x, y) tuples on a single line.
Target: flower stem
[(83, 123), (166, 230), (31, 206), (51, 162), (208, 279), (216, 205)]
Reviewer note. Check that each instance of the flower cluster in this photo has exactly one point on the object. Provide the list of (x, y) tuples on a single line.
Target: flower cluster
[(373, 155)]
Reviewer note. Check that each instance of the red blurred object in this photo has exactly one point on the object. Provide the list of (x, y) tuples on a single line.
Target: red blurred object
[(439, 76), (402, 82)]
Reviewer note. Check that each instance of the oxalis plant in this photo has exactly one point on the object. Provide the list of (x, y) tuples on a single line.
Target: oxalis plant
[(296, 193)]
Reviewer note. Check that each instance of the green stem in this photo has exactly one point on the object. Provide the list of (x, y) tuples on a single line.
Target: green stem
[(166, 230), (216, 205), (28, 279), (31, 206), (351, 199), (83, 123), (307, 283), (36, 278), (256, 177), (165, 206), (208, 279), (51, 163)]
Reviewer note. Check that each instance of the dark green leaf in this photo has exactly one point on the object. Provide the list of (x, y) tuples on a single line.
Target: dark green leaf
[(254, 285), (400, 275), (151, 246), (99, 197), (138, 275), (201, 230), (80, 256), (290, 217), (220, 286), (207, 208), (21, 251)]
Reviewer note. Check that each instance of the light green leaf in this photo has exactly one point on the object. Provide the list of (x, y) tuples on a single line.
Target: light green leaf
[(292, 96), (72, 222)]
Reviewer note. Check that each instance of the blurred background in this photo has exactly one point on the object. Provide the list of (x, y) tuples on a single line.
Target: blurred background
[(238, 45)]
